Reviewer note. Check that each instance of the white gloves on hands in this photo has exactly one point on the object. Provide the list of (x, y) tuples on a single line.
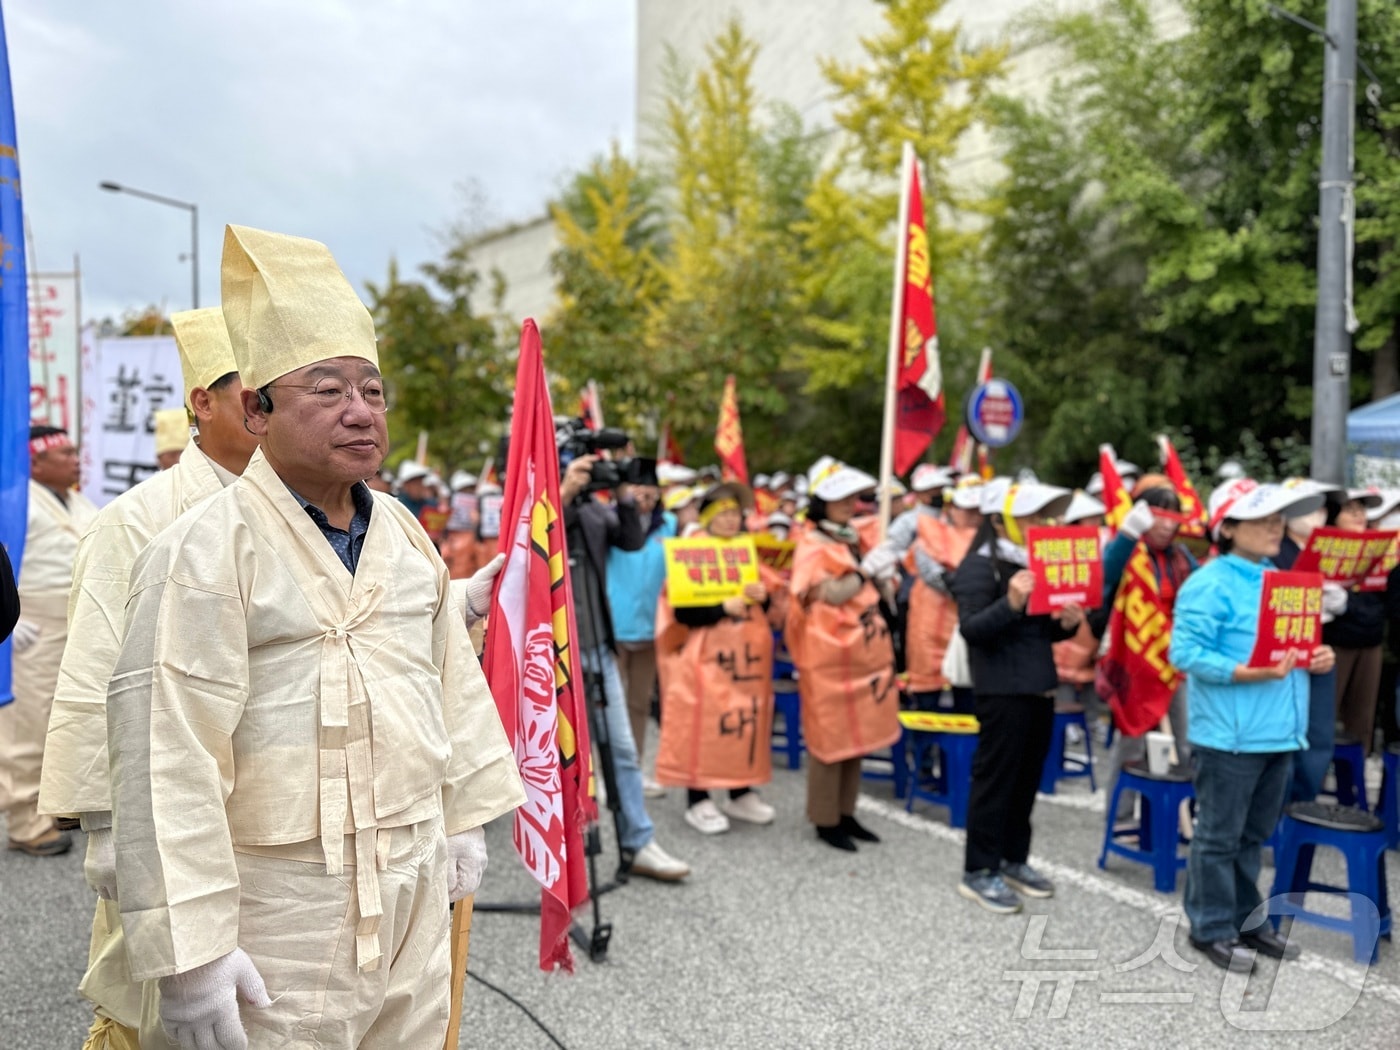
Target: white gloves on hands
[(199, 1009), (466, 863), (1334, 601), (1137, 521), (24, 635), (880, 564), (100, 865), (479, 587)]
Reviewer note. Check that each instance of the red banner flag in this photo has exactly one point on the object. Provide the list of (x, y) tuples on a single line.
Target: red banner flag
[(667, 450), (1192, 509), (590, 407), (729, 436), (961, 458), (531, 663), (919, 384), (1116, 499), (1135, 677)]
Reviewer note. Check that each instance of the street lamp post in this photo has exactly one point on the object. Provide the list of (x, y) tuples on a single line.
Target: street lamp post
[(193, 209)]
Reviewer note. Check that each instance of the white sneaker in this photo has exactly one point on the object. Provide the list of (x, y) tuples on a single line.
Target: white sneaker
[(705, 818), (651, 789), (653, 862), (749, 808)]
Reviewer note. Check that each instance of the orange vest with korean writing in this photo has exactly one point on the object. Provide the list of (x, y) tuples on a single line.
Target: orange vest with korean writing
[(844, 658), (716, 700), (932, 616)]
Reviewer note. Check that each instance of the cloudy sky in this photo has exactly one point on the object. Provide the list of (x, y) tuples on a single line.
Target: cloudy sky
[(354, 122)]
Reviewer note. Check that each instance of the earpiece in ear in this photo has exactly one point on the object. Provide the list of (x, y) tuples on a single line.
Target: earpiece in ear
[(264, 402)]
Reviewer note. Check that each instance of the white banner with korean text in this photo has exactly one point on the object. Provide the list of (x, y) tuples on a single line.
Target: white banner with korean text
[(125, 382), (53, 350)]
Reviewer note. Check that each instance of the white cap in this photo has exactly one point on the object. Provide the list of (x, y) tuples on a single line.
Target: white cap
[(1370, 498), (680, 496), (761, 481), (779, 519), (462, 479), (1083, 506), (1095, 486), (1311, 487), (487, 488), (675, 474), (1390, 499), (993, 495), (929, 476), (820, 467), (1127, 470), (1244, 499), (434, 479), (841, 481), (967, 493), (780, 480), (410, 470), (1039, 498)]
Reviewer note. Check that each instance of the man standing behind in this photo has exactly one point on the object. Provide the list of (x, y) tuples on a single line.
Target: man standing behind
[(303, 746), (58, 516), (75, 779)]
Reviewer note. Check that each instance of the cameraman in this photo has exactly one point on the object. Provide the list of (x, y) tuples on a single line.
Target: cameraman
[(591, 527)]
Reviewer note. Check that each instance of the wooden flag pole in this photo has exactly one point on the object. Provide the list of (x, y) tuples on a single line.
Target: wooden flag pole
[(896, 340), (461, 941)]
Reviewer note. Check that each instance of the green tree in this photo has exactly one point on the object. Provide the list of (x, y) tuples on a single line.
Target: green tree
[(451, 371)]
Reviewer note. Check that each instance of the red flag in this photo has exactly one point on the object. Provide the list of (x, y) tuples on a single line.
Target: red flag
[(1192, 508), (961, 458), (1135, 677), (919, 383), (1115, 494), (531, 663), (667, 451), (729, 436), (590, 407)]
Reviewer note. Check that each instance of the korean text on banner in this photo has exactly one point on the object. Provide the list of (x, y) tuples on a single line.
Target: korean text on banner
[(775, 553), (1068, 568), (1290, 618), (705, 570), (531, 663), (1345, 557), (53, 350)]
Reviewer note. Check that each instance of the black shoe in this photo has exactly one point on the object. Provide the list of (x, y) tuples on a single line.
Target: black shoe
[(1265, 941), (1229, 954), (856, 830), (834, 836)]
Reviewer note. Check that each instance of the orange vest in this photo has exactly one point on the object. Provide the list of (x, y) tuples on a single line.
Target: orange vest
[(844, 658), (932, 616), (459, 551), (716, 701)]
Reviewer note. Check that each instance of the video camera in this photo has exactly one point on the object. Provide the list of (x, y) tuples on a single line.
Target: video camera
[(574, 439)]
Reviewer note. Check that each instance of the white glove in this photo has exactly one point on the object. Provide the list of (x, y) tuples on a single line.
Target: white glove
[(24, 635), (479, 588), (1137, 521), (199, 1009), (1334, 601), (880, 564), (100, 867), (466, 862)]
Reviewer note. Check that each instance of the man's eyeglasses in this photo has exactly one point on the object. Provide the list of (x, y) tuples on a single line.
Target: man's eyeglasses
[(328, 393)]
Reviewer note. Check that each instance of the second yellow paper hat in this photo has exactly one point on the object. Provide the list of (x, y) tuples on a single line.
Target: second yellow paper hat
[(287, 305), (205, 352)]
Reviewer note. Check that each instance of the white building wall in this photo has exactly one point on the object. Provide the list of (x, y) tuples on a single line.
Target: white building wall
[(521, 254)]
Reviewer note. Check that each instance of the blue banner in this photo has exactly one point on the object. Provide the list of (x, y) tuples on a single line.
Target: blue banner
[(14, 348)]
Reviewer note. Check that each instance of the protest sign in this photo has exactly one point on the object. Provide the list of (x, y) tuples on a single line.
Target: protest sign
[(1342, 556), (704, 570), (1290, 618), (775, 553), (1068, 568)]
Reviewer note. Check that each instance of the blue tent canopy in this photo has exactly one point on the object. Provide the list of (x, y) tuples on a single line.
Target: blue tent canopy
[(1373, 442)]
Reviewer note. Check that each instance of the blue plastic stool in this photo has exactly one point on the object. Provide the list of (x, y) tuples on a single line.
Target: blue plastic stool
[(1388, 805), (1349, 767), (1058, 766), (954, 738), (1161, 796), (1361, 840), (898, 759), (782, 659), (788, 703)]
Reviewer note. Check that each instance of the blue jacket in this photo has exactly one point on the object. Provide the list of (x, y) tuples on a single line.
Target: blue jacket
[(634, 584), (1213, 630)]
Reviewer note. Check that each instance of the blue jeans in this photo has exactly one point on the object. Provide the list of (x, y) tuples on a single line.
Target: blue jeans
[(1310, 766), (1238, 801), (634, 827)]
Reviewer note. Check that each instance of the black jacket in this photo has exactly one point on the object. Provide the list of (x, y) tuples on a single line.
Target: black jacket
[(9, 597), (590, 528), (1009, 652), (1363, 624)]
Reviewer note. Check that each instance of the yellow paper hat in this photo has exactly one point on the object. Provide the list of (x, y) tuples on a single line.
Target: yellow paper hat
[(172, 429), (287, 305), (206, 355)]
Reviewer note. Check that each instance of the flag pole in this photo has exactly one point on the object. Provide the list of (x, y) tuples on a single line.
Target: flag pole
[(892, 361), (461, 942)]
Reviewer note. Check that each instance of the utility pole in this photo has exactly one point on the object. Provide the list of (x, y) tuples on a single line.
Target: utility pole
[(1334, 325)]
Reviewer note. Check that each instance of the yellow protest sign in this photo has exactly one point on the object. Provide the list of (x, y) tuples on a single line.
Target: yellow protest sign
[(938, 722), (775, 553), (704, 570)]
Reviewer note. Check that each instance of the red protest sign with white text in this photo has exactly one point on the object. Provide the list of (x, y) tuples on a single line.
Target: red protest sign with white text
[(1068, 567), (1343, 556), (1290, 618)]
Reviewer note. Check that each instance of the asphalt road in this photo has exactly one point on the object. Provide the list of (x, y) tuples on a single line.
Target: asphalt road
[(778, 941)]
